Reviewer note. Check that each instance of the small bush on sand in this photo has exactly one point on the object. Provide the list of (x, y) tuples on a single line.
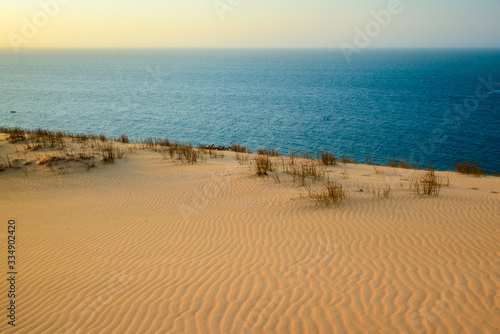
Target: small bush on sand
[(395, 163), (328, 159), (428, 184), (124, 139), (268, 151), (347, 160), (108, 153), (470, 168), (263, 165), (331, 193), (240, 148)]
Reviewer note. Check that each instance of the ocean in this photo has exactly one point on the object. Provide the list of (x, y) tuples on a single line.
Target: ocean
[(430, 106)]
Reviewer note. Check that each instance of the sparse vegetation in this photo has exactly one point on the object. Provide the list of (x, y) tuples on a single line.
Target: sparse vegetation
[(58, 151), (303, 171), (383, 193), (107, 153), (327, 158), (241, 148), (470, 168), (241, 157), (263, 164), (347, 160), (331, 193), (428, 185), (124, 139), (395, 163), (271, 152), (276, 177)]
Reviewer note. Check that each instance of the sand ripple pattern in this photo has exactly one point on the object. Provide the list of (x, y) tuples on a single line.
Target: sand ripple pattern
[(211, 249)]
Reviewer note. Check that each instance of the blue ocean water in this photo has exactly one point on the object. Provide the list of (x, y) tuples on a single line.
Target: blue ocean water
[(428, 106)]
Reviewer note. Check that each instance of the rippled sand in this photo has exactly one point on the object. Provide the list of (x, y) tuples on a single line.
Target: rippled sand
[(151, 245)]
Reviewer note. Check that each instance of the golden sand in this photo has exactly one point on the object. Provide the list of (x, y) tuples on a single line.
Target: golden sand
[(151, 245)]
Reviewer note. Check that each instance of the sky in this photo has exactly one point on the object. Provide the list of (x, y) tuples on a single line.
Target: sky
[(249, 23)]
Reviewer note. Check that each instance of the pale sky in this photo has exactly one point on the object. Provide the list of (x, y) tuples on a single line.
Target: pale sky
[(246, 23)]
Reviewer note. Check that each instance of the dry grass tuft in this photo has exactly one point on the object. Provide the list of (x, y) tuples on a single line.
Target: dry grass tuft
[(123, 139), (347, 160), (263, 165), (109, 152), (271, 152), (327, 158), (240, 148), (428, 185), (470, 168), (332, 193), (383, 193), (395, 163)]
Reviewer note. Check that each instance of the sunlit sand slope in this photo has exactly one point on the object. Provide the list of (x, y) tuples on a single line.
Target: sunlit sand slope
[(156, 246)]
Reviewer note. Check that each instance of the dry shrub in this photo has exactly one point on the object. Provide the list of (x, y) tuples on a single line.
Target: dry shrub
[(328, 159), (306, 170), (109, 153), (395, 163), (183, 152), (268, 151), (470, 168), (347, 160), (332, 193), (15, 134), (240, 148), (263, 165), (428, 185), (124, 139)]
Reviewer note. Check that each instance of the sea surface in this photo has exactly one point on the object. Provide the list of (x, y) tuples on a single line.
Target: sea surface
[(427, 105)]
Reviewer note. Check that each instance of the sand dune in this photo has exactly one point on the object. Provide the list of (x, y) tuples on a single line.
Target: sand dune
[(151, 245)]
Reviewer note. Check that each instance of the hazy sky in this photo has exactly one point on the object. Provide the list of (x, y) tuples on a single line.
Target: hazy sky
[(246, 23)]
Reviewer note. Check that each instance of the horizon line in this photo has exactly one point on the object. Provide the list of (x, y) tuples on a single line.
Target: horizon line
[(243, 47)]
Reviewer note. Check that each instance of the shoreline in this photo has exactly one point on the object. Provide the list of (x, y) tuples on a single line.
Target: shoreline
[(150, 142)]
